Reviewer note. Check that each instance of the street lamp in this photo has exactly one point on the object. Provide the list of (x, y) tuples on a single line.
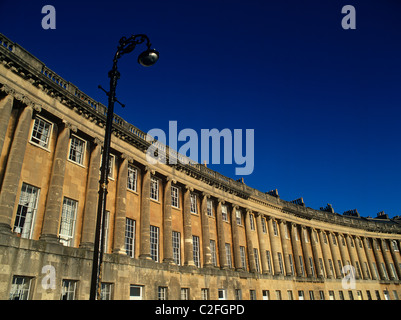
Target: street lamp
[(146, 59)]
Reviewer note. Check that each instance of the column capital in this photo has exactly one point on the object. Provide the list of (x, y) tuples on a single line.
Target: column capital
[(219, 200), (70, 126), (206, 195), (97, 141), (235, 206), (189, 188)]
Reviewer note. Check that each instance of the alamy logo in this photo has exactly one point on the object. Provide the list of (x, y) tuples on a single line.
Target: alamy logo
[(233, 147), (348, 281), (49, 20)]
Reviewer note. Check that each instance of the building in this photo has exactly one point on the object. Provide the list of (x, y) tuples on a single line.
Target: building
[(177, 231)]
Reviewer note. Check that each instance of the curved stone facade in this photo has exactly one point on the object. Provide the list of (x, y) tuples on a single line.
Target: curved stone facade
[(173, 231)]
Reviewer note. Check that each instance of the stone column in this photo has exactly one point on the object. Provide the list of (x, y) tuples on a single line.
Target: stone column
[(396, 258), (234, 229), (334, 253), (387, 259), (295, 249), (262, 242), (274, 244), (167, 223), (54, 201), (207, 255), (315, 253), (220, 235), (188, 242), (144, 249), (251, 258), (91, 198), (353, 254), (121, 207), (12, 173), (306, 251), (284, 245), (6, 105), (326, 253), (370, 258), (362, 258), (378, 258)]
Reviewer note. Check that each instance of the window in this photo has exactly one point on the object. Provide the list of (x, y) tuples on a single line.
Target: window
[(331, 267), (228, 255), (265, 295), (301, 263), (177, 248), (132, 178), (111, 165), (300, 295), (105, 291), (135, 292), (252, 294), (350, 295), (205, 294), (341, 295), (269, 261), (194, 206), (324, 237), (238, 217), (213, 252), (333, 237), (162, 293), (289, 294), (222, 294), (130, 237), (154, 188), (331, 295), (77, 150), (68, 289), (367, 269), (67, 224), (184, 293), (291, 264), (106, 233), (280, 262), (395, 294), (384, 270), (175, 200), (394, 273), (41, 132), (312, 268), (311, 295), (154, 243), (359, 295), (386, 295), (243, 257), (224, 214), (256, 256), (252, 222), (275, 231), (264, 225), (20, 288), (238, 294), (321, 266), (377, 295), (195, 244), (209, 207), (395, 245), (278, 294), (26, 211)]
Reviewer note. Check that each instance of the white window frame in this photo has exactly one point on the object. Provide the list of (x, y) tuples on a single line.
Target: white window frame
[(132, 178), (176, 243), (224, 213), (228, 255), (154, 243), (106, 291), (68, 289), (194, 203), (26, 210), (130, 225), (222, 294), (68, 221), (196, 250), (213, 252), (154, 188), (38, 141), (162, 293), (209, 205), (20, 288), (243, 257), (252, 222), (238, 217), (256, 258), (184, 293), (275, 230), (77, 152), (136, 297), (175, 197)]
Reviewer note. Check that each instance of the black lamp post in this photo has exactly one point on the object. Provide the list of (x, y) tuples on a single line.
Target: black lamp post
[(146, 59)]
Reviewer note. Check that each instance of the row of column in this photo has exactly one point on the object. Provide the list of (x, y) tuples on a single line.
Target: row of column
[(378, 264)]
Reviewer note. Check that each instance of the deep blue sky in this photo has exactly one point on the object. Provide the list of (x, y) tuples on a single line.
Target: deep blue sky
[(324, 102)]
